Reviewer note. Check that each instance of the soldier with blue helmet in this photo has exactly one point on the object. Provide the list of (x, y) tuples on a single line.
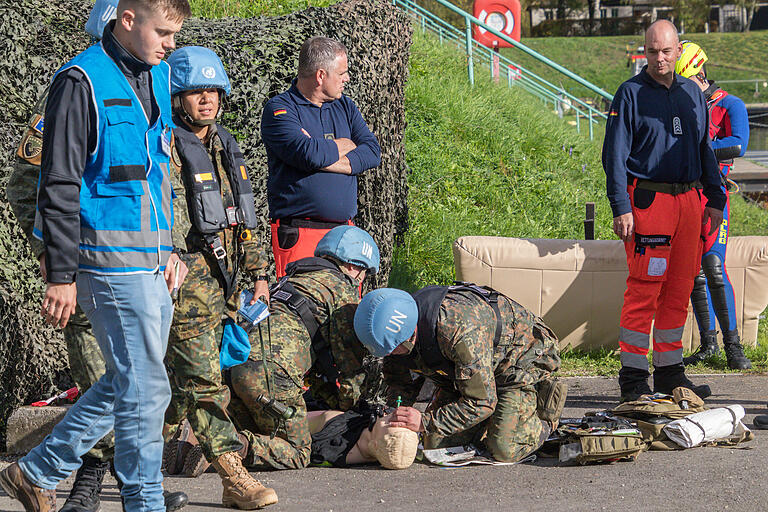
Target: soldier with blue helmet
[(309, 342), (86, 362), (492, 361), (214, 215)]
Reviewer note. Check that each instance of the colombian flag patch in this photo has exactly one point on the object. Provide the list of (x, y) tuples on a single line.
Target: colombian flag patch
[(279, 112)]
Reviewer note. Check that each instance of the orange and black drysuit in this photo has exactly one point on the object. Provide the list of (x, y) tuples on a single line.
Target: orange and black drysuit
[(655, 151)]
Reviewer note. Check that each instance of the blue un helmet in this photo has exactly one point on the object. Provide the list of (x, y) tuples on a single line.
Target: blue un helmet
[(350, 244), (195, 67), (102, 13), (384, 319)]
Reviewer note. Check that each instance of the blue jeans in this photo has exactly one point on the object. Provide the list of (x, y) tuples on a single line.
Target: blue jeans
[(131, 316)]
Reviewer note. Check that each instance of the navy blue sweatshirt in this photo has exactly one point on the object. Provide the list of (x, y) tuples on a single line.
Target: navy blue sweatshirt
[(299, 137), (658, 134)]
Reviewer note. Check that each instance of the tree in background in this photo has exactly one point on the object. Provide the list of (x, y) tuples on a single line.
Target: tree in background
[(690, 15)]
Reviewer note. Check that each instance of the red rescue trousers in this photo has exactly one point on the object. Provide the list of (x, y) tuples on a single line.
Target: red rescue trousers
[(663, 259), (296, 239)]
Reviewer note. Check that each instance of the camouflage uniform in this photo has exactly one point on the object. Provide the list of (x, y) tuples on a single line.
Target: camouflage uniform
[(198, 392), (290, 360), (86, 363), (492, 391)]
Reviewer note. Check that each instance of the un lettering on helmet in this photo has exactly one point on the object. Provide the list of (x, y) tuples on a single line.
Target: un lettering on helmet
[(367, 250), (396, 322)]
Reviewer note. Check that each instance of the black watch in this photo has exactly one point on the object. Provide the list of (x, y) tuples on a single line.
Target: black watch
[(262, 278)]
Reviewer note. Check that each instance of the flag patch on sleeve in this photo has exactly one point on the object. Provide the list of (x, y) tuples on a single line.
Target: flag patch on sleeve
[(279, 111)]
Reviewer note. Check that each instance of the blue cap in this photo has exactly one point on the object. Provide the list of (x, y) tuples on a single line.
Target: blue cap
[(195, 67), (384, 319), (350, 244), (102, 13)]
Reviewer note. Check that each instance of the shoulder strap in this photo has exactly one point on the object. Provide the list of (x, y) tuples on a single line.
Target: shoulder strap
[(306, 310)]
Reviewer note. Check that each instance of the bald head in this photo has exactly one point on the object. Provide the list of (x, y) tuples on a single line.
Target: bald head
[(662, 29), (662, 48)]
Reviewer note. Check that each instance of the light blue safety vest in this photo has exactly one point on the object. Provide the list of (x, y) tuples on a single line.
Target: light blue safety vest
[(125, 197)]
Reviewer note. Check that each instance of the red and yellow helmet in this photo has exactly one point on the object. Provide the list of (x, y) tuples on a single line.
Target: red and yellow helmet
[(691, 60)]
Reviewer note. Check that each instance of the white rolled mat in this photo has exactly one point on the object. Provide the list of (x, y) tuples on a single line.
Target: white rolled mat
[(705, 426)]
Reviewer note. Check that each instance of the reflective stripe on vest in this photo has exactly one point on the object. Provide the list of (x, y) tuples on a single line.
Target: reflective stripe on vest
[(126, 213)]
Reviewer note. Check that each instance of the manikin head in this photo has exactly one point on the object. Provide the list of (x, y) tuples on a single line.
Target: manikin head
[(146, 28), (393, 447)]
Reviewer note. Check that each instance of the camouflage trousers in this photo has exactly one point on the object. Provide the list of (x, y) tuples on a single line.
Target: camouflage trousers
[(289, 359), (513, 431), (199, 394), (86, 364)]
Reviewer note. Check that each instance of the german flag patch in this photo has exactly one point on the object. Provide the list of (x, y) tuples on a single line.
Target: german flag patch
[(279, 112)]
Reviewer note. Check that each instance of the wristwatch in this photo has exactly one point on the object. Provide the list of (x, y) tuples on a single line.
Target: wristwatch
[(262, 278)]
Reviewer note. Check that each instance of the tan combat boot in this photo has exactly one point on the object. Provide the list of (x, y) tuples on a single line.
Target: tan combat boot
[(241, 490), (34, 498)]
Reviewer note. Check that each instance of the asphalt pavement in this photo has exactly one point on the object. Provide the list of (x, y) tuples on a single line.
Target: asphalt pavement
[(710, 479)]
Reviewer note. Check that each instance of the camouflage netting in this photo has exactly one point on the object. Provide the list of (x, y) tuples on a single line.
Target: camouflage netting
[(260, 54)]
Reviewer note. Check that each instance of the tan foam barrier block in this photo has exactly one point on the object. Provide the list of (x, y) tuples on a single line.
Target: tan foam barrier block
[(577, 286)]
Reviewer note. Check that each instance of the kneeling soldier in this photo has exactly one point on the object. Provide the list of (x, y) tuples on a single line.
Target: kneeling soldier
[(310, 333), (214, 213), (490, 358)]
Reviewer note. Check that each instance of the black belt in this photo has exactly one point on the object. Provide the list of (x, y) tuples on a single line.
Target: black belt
[(665, 188), (308, 223)]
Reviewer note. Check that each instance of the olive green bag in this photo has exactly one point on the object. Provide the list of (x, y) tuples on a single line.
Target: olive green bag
[(651, 416), (595, 438)]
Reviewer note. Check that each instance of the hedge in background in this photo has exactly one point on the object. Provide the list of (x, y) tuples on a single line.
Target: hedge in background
[(38, 36)]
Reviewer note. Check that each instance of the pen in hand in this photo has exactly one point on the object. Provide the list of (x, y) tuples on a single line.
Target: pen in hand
[(175, 291)]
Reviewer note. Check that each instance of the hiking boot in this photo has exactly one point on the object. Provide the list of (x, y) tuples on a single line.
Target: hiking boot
[(707, 349), (84, 496), (633, 383), (177, 448), (734, 352), (667, 378), (195, 462), (241, 490), (34, 498), (173, 500)]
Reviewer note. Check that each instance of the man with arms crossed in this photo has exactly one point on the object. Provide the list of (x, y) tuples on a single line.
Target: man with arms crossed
[(317, 143)]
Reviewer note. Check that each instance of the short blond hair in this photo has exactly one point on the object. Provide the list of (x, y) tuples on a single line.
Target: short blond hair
[(174, 9), (396, 449)]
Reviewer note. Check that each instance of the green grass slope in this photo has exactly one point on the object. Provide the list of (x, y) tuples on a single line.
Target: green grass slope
[(602, 60)]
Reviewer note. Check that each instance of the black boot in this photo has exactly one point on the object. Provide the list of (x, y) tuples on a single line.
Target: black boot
[(734, 352), (667, 378), (633, 382), (708, 348), (173, 500), (761, 422), (84, 496)]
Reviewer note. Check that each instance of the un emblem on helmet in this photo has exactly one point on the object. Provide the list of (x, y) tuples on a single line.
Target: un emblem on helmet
[(396, 322), (367, 250), (208, 72)]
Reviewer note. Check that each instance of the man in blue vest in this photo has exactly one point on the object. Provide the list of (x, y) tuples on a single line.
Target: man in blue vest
[(105, 220), (86, 364)]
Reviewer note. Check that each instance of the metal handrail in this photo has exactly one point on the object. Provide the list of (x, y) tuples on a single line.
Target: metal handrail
[(536, 55), (531, 82)]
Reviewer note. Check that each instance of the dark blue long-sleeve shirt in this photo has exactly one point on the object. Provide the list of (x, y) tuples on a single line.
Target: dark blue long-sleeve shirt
[(299, 137), (658, 134)]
